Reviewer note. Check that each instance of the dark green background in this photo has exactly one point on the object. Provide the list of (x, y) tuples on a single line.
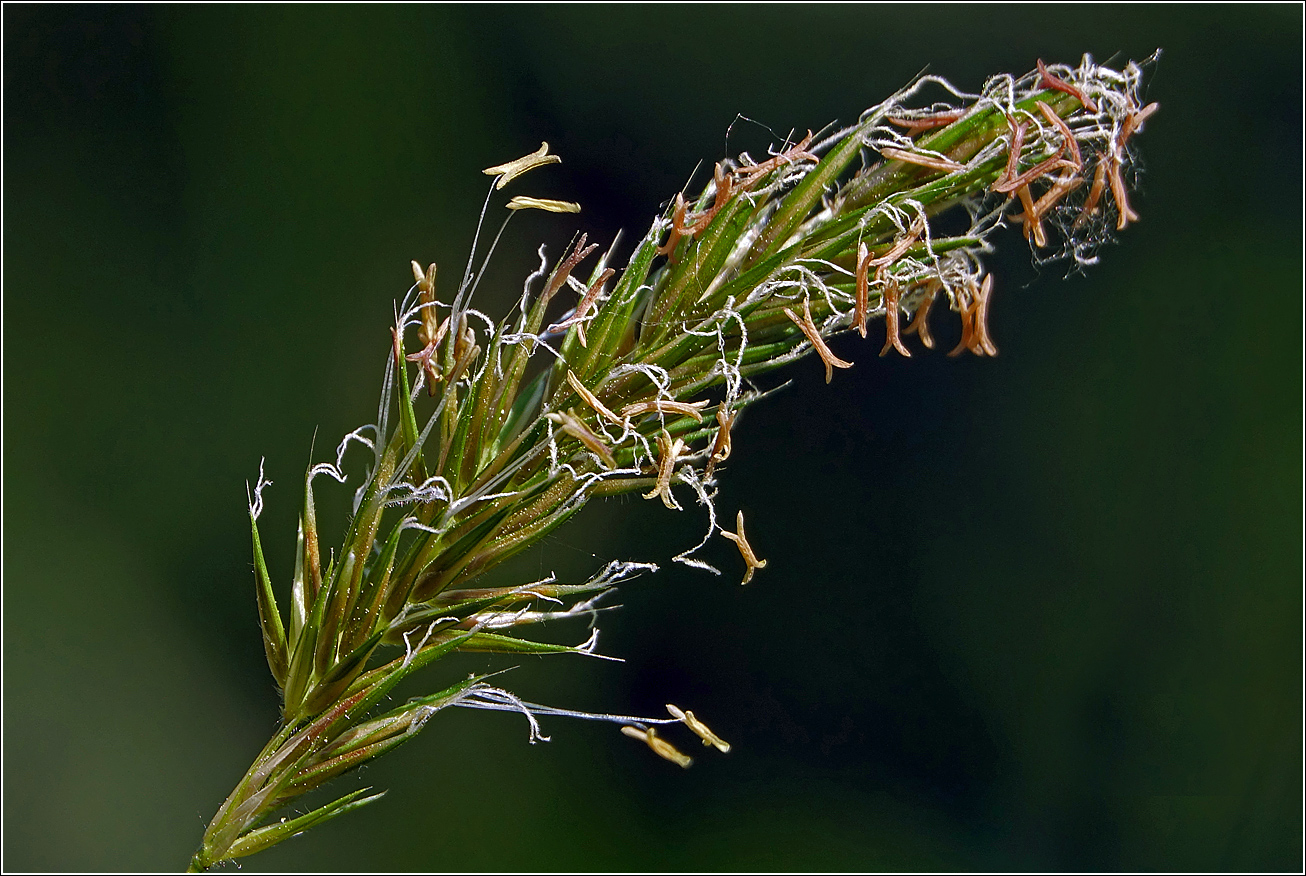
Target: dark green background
[(1042, 611)]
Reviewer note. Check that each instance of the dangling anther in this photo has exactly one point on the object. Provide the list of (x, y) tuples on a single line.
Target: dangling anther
[(671, 451), (700, 729), (1094, 194), (745, 549), (892, 341), (975, 321), (919, 323), (721, 444), (818, 343), (863, 283), (661, 747), (981, 327)]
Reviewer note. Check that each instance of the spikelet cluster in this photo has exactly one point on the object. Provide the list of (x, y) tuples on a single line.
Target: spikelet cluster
[(492, 433)]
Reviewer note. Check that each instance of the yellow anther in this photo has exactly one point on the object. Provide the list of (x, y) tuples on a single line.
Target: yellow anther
[(661, 747), (745, 549), (510, 170), (522, 203), (700, 729)]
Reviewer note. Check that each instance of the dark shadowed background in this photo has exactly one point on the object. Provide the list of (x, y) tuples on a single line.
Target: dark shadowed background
[(1040, 611)]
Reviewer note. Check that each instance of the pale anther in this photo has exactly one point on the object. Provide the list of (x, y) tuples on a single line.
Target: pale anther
[(592, 400), (671, 451), (510, 170), (700, 729), (522, 203), (576, 428), (745, 549), (663, 406), (661, 747)]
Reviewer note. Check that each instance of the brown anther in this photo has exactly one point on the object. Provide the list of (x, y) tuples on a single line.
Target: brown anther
[(1016, 144), (582, 309), (753, 172), (974, 321), (1033, 227), (566, 266), (967, 314), (465, 339), (920, 124), (1126, 213), (431, 337), (1033, 173), (465, 353), (576, 428), (863, 284), (1062, 186), (721, 444), (1094, 194), (1056, 84), (429, 333), (1134, 122), (818, 343), (724, 182), (677, 227), (1115, 163), (665, 406), (919, 323), (700, 729), (904, 243), (892, 340), (1068, 135), (745, 549), (661, 747), (671, 451), (426, 300), (933, 162), (592, 400)]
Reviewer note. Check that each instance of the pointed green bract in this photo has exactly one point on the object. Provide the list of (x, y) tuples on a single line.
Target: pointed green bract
[(263, 837), (274, 635)]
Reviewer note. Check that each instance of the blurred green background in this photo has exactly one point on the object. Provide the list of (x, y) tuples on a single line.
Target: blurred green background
[(1041, 611)]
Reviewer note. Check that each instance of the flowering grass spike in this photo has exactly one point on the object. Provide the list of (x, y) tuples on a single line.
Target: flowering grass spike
[(491, 434)]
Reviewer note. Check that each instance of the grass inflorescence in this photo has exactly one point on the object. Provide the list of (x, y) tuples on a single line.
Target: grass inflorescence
[(491, 434)]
